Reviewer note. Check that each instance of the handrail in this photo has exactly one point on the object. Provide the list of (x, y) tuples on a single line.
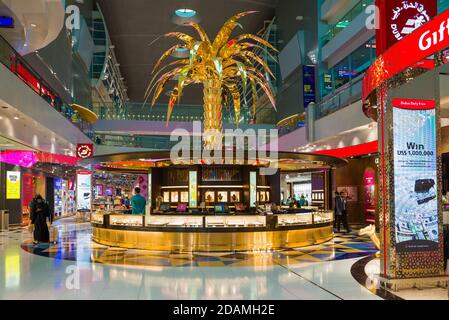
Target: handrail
[(342, 97), (12, 60)]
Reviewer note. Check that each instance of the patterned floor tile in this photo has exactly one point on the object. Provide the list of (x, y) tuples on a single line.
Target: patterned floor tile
[(75, 244)]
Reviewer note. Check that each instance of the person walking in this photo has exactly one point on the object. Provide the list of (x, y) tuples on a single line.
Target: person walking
[(39, 213), (344, 215), (336, 196), (138, 202), (338, 210)]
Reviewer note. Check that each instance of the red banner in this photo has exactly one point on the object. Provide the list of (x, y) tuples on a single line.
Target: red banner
[(422, 43), (413, 104)]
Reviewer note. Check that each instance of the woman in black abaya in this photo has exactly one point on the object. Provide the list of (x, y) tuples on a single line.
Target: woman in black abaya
[(39, 214)]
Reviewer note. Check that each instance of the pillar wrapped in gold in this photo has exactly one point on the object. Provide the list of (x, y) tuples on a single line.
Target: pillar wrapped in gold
[(225, 67)]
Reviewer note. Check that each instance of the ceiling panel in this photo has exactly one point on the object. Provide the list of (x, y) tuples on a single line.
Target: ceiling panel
[(134, 25)]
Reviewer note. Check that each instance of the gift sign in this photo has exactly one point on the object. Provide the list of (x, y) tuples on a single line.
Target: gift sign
[(84, 150)]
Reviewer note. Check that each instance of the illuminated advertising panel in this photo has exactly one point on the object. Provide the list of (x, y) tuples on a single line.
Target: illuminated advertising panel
[(12, 185), (149, 189), (83, 190), (193, 185), (252, 188), (309, 94), (415, 175)]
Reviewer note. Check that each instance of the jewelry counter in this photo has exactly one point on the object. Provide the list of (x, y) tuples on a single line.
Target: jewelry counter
[(202, 232)]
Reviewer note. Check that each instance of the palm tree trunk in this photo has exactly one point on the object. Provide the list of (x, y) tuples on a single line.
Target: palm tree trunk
[(213, 123)]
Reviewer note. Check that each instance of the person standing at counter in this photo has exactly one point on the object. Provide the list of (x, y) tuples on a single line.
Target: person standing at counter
[(138, 202)]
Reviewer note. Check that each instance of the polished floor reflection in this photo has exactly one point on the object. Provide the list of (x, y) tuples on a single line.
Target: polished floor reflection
[(67, 271)]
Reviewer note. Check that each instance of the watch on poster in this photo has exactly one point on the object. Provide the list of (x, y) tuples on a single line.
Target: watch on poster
[(85, 150)]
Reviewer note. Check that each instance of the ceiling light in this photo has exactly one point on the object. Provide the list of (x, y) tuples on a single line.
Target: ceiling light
[(185, 13), (16, 118), (33, 25)]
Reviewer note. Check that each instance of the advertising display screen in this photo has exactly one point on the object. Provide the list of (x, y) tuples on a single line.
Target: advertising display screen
[(369, 193), (6, 22), (415, 175), (83, 191), (309, 94), (253, 188), (193, 185), (12, 185)]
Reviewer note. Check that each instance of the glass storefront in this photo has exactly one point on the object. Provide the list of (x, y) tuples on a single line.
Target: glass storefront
[(351, 67), (344, 22)]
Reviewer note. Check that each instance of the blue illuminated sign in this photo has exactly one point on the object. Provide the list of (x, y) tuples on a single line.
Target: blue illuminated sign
[(6, 22), (309, 93), (58, 183)]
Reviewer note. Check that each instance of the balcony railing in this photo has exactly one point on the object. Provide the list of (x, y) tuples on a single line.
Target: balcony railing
[(344, 96), (10, 58), (344, 22)]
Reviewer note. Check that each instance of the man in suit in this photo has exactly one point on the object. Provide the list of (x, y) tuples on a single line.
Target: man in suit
[(344, 215)]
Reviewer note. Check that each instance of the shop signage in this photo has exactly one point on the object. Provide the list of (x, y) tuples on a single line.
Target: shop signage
[(415, 175), (6, 22), (83, 190), (404, 17), (399, 18), (84, 150), (309, 94), (12, 185), (420, 44)]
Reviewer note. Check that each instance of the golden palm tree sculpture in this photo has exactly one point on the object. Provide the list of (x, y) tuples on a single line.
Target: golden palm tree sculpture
[(220, 66)]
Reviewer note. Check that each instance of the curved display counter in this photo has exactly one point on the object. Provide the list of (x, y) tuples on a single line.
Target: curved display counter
[(193, 232), (228, 204)]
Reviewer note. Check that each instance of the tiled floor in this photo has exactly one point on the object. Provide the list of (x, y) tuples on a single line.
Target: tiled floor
[(67, 271), (372, 270)]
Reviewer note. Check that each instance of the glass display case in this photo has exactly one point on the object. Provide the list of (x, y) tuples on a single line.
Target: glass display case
[(174, 221), (235, 221), (222, 196), (126, 220), (234, 196), (295, 219), (184, 196), (210, 196), (97, 217), (323, 216)]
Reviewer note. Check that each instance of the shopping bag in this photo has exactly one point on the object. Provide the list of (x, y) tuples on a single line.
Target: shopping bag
[(53, 231)]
